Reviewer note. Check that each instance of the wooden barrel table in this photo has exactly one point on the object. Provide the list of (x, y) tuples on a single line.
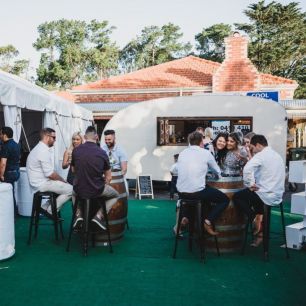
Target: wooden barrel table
[(231, 223), (117, 216)]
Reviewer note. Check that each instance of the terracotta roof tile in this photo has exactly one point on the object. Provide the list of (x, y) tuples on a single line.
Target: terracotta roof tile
[(269, 79), (190, 71), (66, 95)]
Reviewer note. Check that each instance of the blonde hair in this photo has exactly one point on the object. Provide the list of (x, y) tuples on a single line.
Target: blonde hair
[(209, 133), (76, 134)]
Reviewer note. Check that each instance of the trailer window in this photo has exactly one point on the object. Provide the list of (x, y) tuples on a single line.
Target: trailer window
[(175, 130)]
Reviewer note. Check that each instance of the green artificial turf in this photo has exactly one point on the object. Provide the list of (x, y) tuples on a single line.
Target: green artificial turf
[(141, 270)]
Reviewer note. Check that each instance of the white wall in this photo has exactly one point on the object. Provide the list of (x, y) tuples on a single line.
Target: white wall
[(136, 127)]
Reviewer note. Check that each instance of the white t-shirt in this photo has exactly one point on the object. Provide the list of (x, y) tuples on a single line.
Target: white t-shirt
[(266, 169), (192, 165), (173, 169), (39, 165)]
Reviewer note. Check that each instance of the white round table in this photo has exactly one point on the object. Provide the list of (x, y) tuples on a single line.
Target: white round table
[(7, 230), (24, 194)]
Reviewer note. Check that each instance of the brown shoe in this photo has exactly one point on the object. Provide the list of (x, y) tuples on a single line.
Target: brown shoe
[(209, 229)]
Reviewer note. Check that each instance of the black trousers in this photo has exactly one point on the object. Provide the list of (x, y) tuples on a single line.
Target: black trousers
[(249, 202), (209, 195), (173, 186)]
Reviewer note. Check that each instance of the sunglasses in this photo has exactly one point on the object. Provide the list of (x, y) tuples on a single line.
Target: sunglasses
[(54, 137)]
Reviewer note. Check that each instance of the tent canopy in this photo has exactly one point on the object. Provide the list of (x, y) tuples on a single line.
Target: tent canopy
[(15, 91)]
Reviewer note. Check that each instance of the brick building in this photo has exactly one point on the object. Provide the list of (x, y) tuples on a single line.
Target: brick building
[(185, 76)]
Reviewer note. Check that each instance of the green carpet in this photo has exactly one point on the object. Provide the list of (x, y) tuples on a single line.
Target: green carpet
[(141, 270)]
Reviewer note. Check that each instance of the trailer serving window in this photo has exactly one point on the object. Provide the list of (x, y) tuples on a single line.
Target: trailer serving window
[(175, 130)]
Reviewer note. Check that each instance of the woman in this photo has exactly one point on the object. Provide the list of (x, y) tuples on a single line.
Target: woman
[(218, 147), (208, 137), (76, 141), (246, 143), (236, 157)]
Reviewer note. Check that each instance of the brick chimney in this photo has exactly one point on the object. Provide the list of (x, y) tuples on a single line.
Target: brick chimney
[(236, 73)]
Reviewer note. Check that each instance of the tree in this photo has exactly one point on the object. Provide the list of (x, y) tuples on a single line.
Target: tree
[(278, 40), (74, 51), (9, 63), (210, 42), (154, 46)]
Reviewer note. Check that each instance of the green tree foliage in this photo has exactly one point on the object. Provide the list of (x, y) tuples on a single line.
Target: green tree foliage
[(10, 63), (278, 40), (155, 45), (74, 51), (210, 42)]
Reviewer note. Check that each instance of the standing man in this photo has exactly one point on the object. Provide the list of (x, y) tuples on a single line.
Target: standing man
[(41, 173), (264, 177), (193, 164), (117, 156), (10, 157), (92, 175)]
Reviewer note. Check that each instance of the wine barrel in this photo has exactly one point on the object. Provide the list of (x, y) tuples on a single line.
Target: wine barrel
[(117, 216), (231, 223)]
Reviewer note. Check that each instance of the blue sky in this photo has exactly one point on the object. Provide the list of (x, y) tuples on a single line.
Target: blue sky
[(19, 18)]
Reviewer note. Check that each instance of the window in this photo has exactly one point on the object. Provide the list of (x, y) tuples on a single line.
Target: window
[(175, 130)]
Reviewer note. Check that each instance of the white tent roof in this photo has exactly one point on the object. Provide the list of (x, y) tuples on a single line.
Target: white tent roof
[(15, 91)]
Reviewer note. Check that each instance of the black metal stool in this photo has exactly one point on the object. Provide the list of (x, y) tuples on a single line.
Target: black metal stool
[(266, 231), (85, 205), (196, 218), (37, 211)]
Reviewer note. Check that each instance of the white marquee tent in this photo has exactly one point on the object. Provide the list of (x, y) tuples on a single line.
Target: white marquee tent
[(23, 104)]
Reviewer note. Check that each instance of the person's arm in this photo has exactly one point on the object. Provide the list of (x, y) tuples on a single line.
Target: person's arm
[(249, 173), (108, 176), (124, 167), (66, 161), (213, 165), (2, 168), (56, 177)]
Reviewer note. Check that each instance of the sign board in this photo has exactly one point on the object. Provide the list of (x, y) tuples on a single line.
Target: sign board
[(243, 128), (270, 95), (144, 186), (220, 126)]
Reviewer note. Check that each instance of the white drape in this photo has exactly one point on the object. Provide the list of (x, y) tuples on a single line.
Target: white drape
[(12, 118)]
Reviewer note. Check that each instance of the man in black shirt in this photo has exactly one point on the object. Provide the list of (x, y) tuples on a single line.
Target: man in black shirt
[(10, 157), (92, 175)]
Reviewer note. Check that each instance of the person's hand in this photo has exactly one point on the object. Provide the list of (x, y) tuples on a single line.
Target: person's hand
[(2, 178), (254, 188)]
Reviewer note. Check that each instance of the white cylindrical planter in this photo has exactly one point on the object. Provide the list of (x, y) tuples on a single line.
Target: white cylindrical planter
[(24, 194), (7, 231)]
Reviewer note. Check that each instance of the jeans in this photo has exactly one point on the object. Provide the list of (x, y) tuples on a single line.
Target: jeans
[(11, 177), (173, 186), (249, 202), (211, 195)]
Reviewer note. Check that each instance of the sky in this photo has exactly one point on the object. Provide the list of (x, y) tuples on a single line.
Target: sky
[(19, 19)]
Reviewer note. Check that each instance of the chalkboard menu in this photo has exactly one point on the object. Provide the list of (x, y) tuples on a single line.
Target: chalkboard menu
[(144, 186)]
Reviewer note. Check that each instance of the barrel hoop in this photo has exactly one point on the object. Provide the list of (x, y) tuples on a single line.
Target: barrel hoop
[(226, 239), (117, 181), (117, 221), (230, 190), (116, 173), (230, 227)]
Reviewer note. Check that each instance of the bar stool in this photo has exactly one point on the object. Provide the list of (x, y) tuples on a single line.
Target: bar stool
[(266, 231), (37, 211), (194, 209), (86, 205)]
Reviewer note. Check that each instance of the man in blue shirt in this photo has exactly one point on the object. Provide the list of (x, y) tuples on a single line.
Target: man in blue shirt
[(10, 157)]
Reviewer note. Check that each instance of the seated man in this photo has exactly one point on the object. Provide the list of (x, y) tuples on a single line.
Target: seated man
[(41, 174), (193, 164), (10, 157), (264, 177), (92, 175)]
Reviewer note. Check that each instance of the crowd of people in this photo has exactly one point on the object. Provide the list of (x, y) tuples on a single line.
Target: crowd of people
[(229, 155)]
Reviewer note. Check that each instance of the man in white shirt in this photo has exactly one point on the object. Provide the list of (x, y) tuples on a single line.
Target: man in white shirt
[(40, 170), (193, 164), (264, 177)]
